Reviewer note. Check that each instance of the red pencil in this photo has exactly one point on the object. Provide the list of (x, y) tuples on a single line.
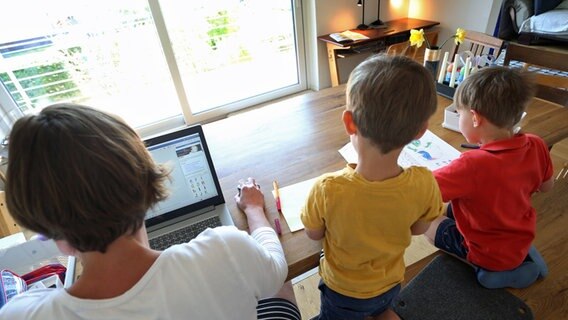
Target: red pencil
[(277, 225), (277, 196)]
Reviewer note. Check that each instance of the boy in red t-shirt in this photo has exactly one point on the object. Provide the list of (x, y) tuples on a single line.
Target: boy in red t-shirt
[(490, 221)]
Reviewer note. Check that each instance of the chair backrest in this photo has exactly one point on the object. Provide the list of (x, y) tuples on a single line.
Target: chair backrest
[(479, 43), (551, 87), (405, 49)]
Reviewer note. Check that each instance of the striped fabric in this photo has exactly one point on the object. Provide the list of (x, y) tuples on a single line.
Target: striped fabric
[(277, 309)]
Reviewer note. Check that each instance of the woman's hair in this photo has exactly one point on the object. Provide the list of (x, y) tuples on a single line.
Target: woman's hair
[(80, 175)]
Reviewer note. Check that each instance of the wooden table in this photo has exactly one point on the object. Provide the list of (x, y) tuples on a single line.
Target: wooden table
[(298, 138), (379, 39)]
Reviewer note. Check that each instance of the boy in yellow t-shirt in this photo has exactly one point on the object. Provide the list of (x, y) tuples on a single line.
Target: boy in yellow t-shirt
[(366, 213)]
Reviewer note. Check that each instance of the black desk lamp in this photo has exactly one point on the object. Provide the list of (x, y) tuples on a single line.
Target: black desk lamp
[(362, 26), (378, 22)]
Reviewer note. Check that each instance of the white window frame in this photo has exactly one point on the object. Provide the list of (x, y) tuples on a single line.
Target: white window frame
[(9, 111), (187, 117)]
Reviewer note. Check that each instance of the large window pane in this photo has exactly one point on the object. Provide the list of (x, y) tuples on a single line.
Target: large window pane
[(150, 61), (229, 50), (108, 56)]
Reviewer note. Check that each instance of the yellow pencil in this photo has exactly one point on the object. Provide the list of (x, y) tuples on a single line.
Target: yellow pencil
[(277, 195)]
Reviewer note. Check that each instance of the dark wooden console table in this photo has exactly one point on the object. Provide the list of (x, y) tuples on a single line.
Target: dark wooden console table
[(379, 39)]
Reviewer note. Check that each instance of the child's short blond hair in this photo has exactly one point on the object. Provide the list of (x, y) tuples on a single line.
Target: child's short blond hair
[(499, 94), (391, 98)]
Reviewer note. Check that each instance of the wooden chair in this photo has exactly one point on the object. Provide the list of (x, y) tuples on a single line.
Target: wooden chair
[(550, 87), (479, 43), (417, 54)]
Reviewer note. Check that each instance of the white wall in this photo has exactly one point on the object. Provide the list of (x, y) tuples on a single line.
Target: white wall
[(339, 15), (476, 15)]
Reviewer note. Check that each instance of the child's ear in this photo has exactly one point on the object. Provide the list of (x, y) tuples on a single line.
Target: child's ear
[(348, 123), (476, 118), (422, 131)]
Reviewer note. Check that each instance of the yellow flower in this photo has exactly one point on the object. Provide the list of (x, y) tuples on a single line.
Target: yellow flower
[(459, 36), (416, 37)]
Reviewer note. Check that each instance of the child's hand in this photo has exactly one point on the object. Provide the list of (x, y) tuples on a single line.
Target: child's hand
[(249, 197)]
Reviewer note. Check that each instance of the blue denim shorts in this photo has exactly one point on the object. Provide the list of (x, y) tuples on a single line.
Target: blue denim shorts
[(336, 306), (449, 238)]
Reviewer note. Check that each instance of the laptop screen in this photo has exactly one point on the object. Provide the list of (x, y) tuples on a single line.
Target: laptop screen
[(193, 183)]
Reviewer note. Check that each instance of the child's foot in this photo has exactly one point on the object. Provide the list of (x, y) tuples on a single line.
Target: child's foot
[(535, 256), (520, 277)]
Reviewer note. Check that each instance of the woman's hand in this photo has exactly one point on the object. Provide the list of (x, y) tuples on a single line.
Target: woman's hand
[(251, 201), (249, 197)]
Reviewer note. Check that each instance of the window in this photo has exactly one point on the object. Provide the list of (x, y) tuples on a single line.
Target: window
[(154, 63)]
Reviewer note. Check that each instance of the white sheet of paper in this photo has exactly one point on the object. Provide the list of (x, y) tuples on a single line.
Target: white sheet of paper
[(430, 151), (12, 240), (292, 199)]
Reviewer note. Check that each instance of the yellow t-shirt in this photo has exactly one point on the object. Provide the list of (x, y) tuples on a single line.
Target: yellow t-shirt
[(367, 226)]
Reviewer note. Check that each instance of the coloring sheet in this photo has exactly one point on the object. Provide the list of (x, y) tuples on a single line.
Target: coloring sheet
[(429, 151)]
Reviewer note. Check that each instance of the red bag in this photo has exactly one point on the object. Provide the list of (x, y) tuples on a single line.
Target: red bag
[(45, 272)]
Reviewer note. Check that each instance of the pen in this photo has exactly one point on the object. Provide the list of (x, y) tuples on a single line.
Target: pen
[(470, 146), (277, 196)]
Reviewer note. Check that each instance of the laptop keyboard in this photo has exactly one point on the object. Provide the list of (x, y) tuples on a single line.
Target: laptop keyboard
[(184, 234)]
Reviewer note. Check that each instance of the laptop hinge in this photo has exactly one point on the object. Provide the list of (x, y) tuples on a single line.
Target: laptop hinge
[(180, 218)]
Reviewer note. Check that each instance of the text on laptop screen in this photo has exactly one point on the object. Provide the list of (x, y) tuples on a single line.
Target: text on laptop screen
[(191, 178)]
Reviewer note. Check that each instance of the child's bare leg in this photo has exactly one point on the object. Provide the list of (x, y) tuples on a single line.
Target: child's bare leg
[(431, 232), (287, 293), (283, 302)]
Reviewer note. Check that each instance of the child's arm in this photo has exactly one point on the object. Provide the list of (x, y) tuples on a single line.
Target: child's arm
[(547, 185), (315, 234), (312, 212), (419, 227)]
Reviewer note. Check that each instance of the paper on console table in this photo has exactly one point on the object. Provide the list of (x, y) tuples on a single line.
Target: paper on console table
[(430, 151), (292, 199), (348, 36)]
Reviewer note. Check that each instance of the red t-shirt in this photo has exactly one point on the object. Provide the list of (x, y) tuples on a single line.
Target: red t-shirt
[(490, 190)]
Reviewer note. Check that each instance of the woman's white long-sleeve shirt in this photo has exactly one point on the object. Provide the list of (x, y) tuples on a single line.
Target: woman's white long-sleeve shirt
[(221, 274)]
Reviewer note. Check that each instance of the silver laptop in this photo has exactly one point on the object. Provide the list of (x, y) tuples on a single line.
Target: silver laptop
[(195, 201)]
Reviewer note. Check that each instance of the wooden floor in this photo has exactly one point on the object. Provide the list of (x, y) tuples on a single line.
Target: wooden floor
[(547, 298)]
